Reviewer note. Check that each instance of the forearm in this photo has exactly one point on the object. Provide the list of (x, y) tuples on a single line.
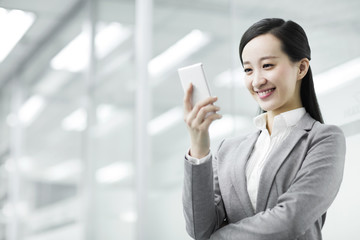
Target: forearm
[(202, 214), (271, 224)]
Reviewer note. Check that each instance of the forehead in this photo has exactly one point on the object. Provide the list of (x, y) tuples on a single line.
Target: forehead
[(261, 46)]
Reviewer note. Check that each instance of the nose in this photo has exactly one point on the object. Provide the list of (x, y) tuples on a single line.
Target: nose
[(258, 81)]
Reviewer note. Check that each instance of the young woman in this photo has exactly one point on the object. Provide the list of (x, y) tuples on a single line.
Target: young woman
[(278, 182)]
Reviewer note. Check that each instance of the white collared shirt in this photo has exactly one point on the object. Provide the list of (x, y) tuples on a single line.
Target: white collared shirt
[(283, 123)]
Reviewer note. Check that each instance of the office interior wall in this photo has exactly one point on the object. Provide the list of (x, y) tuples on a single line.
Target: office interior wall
[(77, 178)]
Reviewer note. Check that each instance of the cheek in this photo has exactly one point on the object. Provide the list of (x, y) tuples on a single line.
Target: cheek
[(288, 73), (282, 76), (248, 83)]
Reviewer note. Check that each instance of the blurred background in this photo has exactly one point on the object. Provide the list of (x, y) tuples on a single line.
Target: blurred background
[(92, 137)]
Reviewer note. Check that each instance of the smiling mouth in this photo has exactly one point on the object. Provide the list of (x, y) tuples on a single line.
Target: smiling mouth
[(265, 93)]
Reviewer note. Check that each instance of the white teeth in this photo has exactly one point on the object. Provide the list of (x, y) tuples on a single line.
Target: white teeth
[(265, 92)]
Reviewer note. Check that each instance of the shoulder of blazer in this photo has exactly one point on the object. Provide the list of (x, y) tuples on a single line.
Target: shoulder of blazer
[(306, 122), (318, 131), (325, 131)]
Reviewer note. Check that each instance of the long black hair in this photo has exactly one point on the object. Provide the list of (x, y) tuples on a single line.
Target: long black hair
[(295, 44)]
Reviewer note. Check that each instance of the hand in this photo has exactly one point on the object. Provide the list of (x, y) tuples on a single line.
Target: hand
[(198, 122)]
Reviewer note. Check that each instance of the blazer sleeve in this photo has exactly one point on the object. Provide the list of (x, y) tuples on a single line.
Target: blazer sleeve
[(310, 195), (202, 203)]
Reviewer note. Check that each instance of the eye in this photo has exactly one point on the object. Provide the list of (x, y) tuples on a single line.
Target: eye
[(268, 65), (247, 70)]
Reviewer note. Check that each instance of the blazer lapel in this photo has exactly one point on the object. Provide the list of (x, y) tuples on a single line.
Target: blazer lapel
[(238, 174), (277, 157)]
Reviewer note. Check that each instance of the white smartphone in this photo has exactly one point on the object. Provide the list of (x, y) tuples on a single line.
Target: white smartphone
[(195, 74)]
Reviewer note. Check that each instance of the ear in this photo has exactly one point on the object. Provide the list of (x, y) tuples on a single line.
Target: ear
[(303, 67)]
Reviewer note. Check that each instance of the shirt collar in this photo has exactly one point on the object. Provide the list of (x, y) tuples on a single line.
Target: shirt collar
[(281, 121), (260, 121)]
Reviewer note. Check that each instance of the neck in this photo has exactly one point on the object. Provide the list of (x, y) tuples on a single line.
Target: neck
[(270, 118), (295, 103), (270, 121)]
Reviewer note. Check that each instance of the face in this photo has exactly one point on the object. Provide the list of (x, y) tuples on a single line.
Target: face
[(272, 79)]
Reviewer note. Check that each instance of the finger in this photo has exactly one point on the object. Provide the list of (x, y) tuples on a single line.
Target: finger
[(187, 98), (194, 112), (209, 120), (204, 111), (207, 101)]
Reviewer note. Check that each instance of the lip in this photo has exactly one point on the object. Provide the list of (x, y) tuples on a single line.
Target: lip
[(265, 93)]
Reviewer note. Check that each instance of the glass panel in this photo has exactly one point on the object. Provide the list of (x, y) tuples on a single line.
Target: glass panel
[(53, 118), (112, 135), (44, 166), (4, 156)]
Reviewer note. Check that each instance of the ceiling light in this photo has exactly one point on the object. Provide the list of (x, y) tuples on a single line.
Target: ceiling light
[(13, 25), (165, 121), (105, 112), (109, 37), (182, 49), (26, 164), (17, 208), (230, 78), (31, 109), (114, 172), (75, 56), (129, 217), (337, 76), (109, 118), (222, 127), (52, 82), (63, 170), (227, 125), (76, 121)]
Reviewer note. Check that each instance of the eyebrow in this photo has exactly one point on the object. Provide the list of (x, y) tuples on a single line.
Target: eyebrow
[(262, 59)]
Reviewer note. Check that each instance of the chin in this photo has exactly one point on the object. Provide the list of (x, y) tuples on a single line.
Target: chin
[(266, 107)]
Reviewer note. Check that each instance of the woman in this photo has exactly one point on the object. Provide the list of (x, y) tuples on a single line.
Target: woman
[(278, 182)]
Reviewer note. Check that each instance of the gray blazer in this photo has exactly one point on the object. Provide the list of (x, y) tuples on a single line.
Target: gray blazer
[(298, 184)]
